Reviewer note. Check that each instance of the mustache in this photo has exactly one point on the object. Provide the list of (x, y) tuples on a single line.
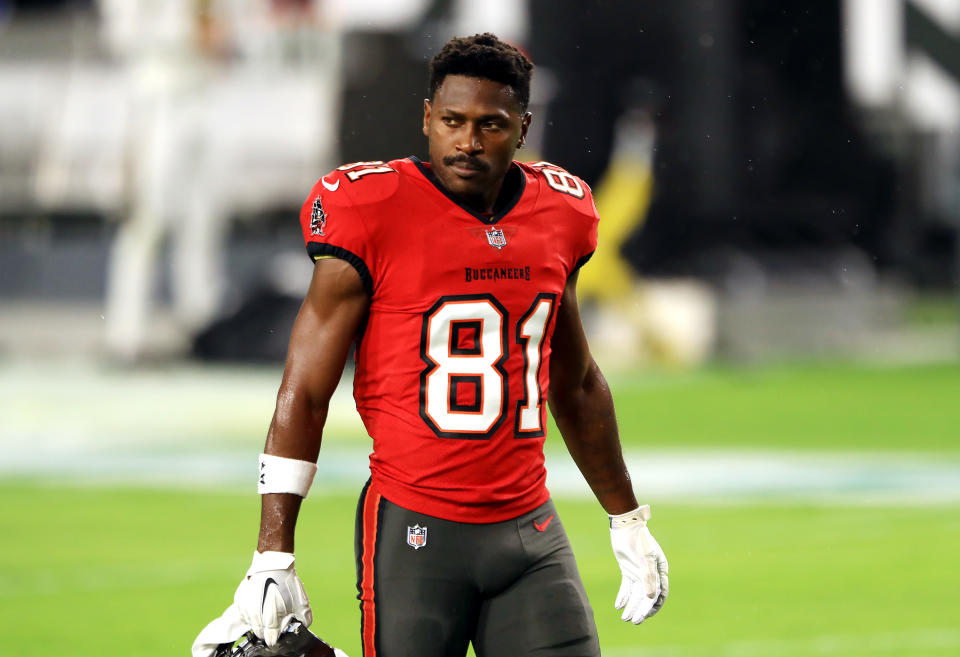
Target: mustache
[(466, 161)]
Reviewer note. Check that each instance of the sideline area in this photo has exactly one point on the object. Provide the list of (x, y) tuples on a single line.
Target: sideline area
[(694, 476), (192, 426)]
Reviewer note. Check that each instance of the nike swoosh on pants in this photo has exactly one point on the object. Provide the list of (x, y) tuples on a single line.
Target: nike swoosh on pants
[(546, 523)]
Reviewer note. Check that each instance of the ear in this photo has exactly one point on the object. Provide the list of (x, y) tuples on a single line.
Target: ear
[(524, 126), (426, 117)]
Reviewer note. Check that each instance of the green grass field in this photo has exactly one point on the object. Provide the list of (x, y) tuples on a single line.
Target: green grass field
[(90, 569), (798, 407)]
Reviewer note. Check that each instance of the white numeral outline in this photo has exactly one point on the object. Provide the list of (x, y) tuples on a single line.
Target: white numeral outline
[(561, 180), (482, 365), (531, 332), (357, 170)]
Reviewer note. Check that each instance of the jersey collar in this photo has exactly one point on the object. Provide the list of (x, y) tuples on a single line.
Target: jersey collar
[(497, 216)]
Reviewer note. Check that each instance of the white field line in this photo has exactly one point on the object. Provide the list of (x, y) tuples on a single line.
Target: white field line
[(193, 426), (935, 640), (769, 475), (715, 476)]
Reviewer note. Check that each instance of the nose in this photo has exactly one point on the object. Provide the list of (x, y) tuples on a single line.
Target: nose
[(469, 142)]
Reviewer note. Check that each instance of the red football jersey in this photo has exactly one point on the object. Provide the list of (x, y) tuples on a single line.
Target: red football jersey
[(452, 368)]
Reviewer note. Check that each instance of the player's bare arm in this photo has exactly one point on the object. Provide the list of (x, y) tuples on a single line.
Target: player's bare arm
[(271, 594), (328, 321), (581, 404)]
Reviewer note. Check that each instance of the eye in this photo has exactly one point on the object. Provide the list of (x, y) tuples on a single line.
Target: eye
[(450, 121), (491, 126)]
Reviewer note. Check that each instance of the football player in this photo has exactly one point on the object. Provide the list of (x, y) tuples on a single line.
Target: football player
[(456, 280)]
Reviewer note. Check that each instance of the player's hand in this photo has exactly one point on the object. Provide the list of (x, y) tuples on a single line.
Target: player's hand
[(645, 584), (224, 629), (271, 595)]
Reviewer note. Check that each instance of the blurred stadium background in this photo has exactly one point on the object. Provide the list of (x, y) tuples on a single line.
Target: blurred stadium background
[(775, 301)]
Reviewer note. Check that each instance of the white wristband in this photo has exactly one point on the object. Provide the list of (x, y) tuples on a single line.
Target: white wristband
[(640, 515), (282, 475)]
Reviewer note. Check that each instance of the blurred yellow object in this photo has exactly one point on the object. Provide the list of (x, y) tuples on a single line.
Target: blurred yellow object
[(622, 198)]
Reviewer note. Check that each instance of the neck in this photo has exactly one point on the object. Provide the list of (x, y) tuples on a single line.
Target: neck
[(485, 203), (490, 200)]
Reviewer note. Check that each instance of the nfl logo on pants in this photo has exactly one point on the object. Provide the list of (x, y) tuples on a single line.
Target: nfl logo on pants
[(416, 536)]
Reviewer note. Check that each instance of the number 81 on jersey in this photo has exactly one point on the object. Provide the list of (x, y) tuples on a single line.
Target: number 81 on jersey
[(465, 342)]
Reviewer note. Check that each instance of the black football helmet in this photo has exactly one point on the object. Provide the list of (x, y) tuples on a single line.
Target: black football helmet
[(295, 641)]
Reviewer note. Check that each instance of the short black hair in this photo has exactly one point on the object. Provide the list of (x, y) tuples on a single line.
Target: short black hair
[(483, 56)]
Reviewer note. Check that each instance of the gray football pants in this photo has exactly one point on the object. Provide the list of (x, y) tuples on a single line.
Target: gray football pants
[(428, 587)]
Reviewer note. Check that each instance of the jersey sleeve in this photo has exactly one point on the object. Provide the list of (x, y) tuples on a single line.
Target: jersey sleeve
[(572, 198), (587, 243), (333, 228)]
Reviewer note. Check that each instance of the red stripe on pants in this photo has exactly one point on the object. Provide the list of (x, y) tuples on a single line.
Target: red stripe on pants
[(371, 507)]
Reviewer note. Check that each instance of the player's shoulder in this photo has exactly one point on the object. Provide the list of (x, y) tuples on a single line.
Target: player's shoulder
[(559, 186), (362, 183)]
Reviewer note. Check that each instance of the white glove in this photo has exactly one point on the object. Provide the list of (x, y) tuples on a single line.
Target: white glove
[(271, 595), (226, 629), (645, 584)]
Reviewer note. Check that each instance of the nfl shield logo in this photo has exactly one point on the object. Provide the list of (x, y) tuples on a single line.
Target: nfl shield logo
[(496, 238), (416, 536)]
